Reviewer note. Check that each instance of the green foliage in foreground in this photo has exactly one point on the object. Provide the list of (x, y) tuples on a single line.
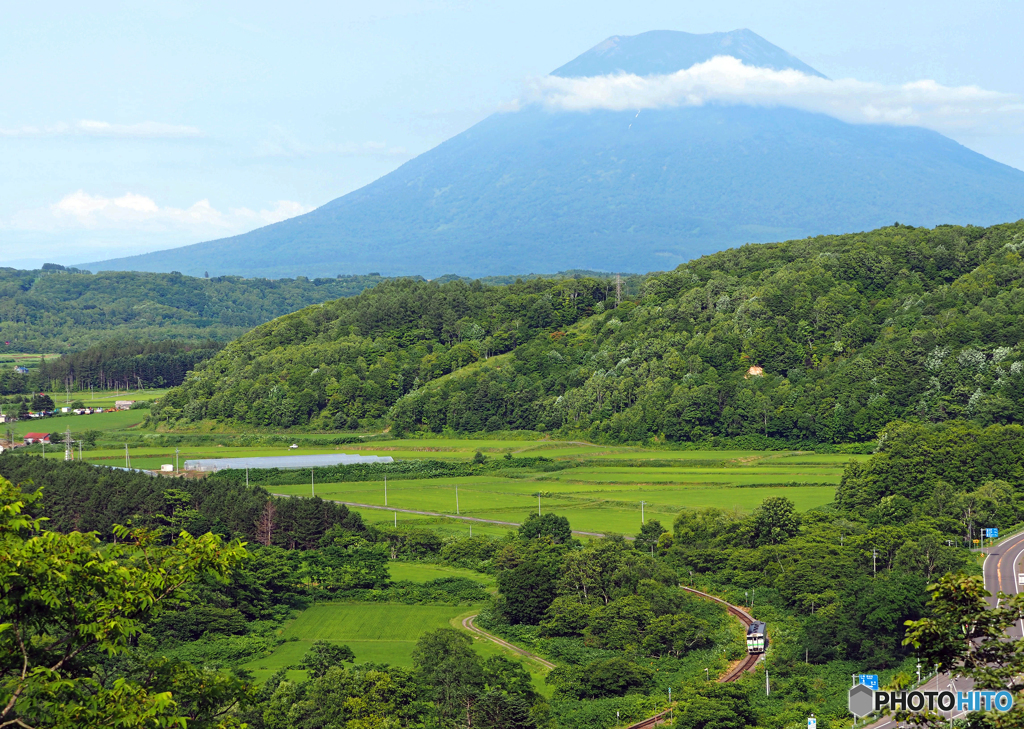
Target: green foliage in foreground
[(68, 604), (851, 332), (59, 310)]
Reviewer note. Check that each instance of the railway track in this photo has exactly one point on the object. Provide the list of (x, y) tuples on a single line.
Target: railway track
[(652, 721), (747, 664), (750, 662)]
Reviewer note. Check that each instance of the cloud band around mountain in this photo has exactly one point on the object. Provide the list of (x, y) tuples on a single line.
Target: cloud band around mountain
[(727, 80)]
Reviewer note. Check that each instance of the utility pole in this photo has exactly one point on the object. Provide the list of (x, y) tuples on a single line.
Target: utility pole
[(127, 458), (642, 511), (385, 491), (874, 569), (176, 467), (767, 685), (312, 486), (69, 450), (618, 290), (456, 500)]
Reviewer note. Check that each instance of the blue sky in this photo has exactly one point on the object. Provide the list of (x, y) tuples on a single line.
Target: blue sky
[(133, 126)]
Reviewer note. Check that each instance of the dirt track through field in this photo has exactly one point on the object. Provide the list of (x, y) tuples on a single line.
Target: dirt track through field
[(467, 623)]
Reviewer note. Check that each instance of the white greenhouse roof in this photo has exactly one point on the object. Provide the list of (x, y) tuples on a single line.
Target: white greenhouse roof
[(317, 461)]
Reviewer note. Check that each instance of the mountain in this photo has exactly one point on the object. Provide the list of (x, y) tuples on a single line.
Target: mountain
[(538, 190), (667, 51)]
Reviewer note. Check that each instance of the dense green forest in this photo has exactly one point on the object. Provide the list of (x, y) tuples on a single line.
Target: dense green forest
[(63, 310), (850, 332), (123, 363), (58, 309), (354, 358)]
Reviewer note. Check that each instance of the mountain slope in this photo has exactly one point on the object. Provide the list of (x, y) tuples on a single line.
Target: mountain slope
[(536, 190), (851, 332), (667, 51)]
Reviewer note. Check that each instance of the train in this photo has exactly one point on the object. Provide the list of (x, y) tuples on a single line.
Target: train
[(757, 637)]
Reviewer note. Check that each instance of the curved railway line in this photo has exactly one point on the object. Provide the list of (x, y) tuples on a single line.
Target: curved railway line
[(747, 664)]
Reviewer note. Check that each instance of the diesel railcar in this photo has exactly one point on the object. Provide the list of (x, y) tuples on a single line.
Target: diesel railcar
[(757, 637)]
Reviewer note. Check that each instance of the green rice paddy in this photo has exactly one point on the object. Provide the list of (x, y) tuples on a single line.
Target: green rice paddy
[(381, 632), (601, 491)]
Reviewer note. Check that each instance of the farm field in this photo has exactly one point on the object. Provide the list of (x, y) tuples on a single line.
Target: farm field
[(376, 632), (421, 572), (601, 491), (24, 359), (102, 398), (594, 499), (120, 420)]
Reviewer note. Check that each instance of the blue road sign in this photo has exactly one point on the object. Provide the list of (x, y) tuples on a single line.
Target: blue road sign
[(870, 680), (991, 533), (812, 723)]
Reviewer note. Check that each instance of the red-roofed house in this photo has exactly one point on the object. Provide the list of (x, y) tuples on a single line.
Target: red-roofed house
[(31, 438)]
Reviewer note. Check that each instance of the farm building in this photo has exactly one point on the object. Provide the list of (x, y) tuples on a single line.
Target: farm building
[(124, 404), (31, 438), (314, 461)]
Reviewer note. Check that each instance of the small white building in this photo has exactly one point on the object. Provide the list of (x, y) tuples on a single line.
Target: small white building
[(123, 404)]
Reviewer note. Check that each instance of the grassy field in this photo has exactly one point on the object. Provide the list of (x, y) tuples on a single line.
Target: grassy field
[(24, 359), (601, 493), (382, 632), (376, 633), (104, 422), (599, 499), (420, 573), (102, 398)]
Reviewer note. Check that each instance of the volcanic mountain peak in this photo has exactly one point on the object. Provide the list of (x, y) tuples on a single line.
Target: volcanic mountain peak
[(659, 52)]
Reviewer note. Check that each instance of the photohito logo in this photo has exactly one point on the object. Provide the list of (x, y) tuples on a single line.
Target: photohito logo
[(864, 700)]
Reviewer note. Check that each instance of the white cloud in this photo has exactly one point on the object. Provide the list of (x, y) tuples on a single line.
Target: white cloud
[(91, 128), (131, 211), (726, 80)]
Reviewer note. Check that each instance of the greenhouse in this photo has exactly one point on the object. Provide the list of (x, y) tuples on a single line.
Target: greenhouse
[(311, 461)]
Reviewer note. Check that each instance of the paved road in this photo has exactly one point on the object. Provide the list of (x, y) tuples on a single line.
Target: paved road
[(1002, 565), (1001, 568)]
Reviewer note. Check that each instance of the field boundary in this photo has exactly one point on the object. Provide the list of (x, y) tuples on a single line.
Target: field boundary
[(438, 514)]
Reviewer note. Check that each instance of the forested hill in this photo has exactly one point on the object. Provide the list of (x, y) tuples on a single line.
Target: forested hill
[(62, 310), (851, 332)]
